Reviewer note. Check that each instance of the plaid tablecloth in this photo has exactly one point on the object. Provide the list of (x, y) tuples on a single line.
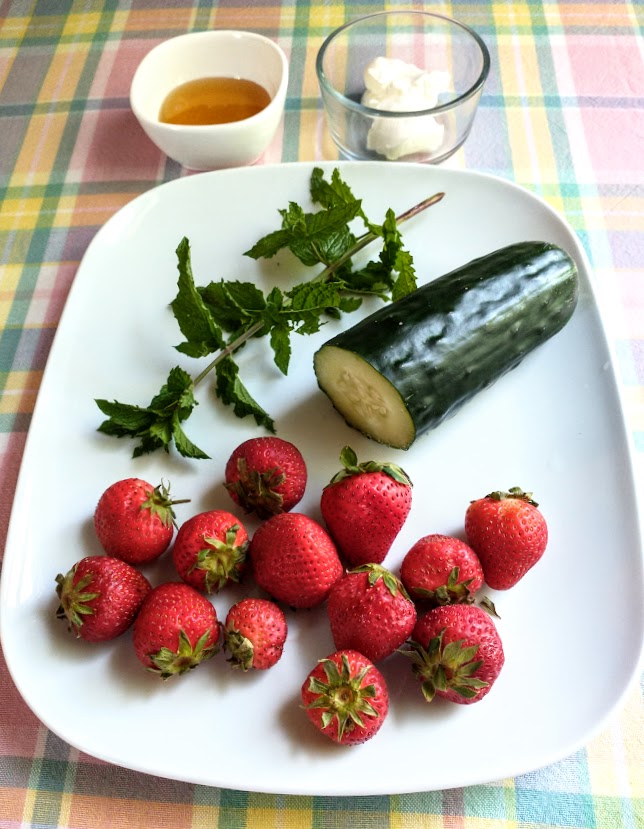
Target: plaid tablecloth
[(562, 115)]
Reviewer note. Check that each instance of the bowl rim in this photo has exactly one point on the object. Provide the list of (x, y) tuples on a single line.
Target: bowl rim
[(384, 113), (277, 100)]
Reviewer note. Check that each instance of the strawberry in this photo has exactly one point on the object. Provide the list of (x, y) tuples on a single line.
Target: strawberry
[(456, 653), (134, 521), (254, 634), (266, 476), (210, 550), (364, 507), (295, 560), (442, 570), (176, 630), (370, 611), (100, 596), (345, 696), (508, 533)]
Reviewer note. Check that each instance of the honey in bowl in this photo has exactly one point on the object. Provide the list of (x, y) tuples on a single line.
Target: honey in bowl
[(208, 101)]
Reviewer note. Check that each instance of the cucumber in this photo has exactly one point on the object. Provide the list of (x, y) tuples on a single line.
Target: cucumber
[(402, 370)]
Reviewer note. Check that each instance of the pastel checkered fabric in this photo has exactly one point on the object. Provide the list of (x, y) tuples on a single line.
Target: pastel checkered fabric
[(562, 115)]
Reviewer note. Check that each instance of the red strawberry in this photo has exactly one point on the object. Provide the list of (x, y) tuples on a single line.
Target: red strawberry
[(442, 570), (508, 533), (364, 507), (100, 596), (345, 696), (210, 550), (370, 611), (456, 653), (134, 521), (295, 560), (176, 630), (266, 476), (254, 634)]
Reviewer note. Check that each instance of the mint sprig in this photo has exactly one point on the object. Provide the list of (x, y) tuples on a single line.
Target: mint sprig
[(221, 317)]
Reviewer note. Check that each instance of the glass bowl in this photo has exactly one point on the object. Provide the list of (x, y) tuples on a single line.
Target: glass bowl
[(419, 103)]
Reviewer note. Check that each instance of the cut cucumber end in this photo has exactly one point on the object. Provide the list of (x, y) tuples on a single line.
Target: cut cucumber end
[(364, 397)]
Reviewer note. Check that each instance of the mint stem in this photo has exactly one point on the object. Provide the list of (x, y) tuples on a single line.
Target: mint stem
[(255, 328), (361, 243)]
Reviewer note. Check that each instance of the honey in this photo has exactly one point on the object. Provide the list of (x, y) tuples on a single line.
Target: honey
[(213, 101)]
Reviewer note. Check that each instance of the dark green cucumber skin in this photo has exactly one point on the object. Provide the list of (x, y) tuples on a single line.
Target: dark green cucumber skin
[(456, 335)]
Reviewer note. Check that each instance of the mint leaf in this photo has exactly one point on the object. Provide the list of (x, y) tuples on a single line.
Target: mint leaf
[(395, 258), (233, 393), (327, 235), (374, 278), (293, 221), (176, 395), (184, 445), (314, 296), (124, 418), (309, 302), (349, 304), (334, 193), (280, 340), (277, 326), (406, 281), (155, 426), (312, 237), (293, 226), (233, 305), (391, 240), (330, 194), (202, 334)]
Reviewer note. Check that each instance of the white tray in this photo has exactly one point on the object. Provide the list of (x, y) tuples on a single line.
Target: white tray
[(572, 629)]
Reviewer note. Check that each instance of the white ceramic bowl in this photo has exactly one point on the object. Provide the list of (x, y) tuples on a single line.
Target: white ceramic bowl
[(222, 53)]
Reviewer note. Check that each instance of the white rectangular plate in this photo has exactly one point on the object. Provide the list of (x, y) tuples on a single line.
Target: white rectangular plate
[(572, 629)]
